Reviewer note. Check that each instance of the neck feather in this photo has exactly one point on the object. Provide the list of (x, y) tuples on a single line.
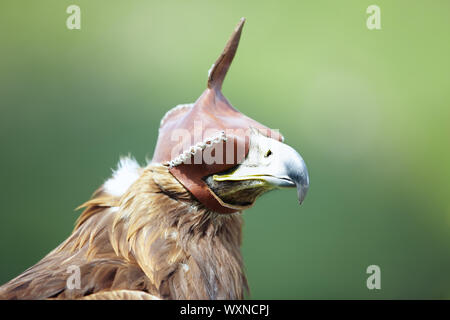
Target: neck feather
[(185, 250)]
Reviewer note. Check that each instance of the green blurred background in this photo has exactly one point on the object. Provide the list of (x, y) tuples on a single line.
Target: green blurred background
[(368, 110)]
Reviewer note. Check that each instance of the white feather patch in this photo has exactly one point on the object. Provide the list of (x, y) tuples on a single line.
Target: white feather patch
[(185, 267), (123, 177)]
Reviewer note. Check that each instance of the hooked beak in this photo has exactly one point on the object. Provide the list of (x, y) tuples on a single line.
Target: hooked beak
[(275, 164)]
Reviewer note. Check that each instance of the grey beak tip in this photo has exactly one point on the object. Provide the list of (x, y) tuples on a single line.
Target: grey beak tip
[(302, 191), (301, 198)]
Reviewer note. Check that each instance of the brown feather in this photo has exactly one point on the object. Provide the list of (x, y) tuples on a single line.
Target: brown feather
[(155, 241)]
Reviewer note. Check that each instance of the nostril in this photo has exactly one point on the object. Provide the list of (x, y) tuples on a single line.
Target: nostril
[(268, 153)]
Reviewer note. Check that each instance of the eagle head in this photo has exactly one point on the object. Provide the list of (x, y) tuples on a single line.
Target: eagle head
[(224, 158)]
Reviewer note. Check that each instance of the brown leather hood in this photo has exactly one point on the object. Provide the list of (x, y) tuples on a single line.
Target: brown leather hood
[(209, 136)]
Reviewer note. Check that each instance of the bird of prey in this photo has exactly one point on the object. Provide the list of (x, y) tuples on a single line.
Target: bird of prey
[(173, 228)]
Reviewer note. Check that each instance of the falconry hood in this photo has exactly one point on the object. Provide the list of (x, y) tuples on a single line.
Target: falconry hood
[(209, 136)]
